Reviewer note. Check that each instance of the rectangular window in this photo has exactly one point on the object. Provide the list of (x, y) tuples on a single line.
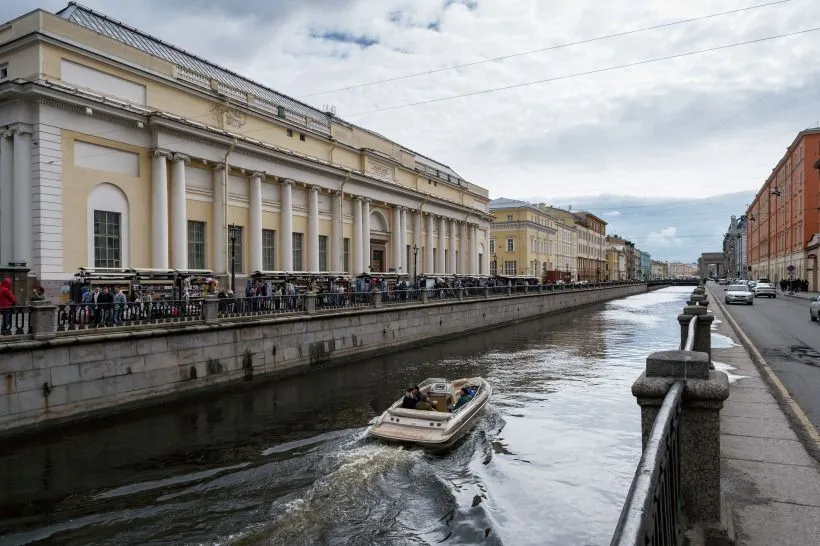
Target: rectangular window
[(492, 246), (511, 268), (268, 250), (323, 253), (196, 244), (297, 252), (493, 267), (107, 230), (346, 256), (510, 245), (509, 218), (235, 255), (480, 264)]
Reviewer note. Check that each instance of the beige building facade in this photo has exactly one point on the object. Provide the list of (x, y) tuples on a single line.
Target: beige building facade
[(523, 239), (121, 151)]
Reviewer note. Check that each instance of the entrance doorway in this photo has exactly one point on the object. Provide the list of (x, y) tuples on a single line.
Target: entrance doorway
[(377, 251)]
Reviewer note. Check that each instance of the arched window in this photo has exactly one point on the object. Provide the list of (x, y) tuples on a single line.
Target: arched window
[(107, 229), (378, 222)]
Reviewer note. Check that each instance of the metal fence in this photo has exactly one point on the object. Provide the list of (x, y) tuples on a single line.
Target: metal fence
[(14, 321), (83, 316), (653, 511), (261, 306)]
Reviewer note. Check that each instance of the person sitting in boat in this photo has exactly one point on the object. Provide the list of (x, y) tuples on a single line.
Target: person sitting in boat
[(410, 399), (463, 399), (422, 400)]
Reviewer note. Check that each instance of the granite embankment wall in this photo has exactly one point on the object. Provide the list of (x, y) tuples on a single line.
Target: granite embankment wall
[(75, 377)]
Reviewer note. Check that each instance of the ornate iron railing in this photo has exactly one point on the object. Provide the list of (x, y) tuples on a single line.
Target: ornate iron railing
[(82, 316), (343, 300), (653, 512), (14, 321), (400, 297), (261, 305)]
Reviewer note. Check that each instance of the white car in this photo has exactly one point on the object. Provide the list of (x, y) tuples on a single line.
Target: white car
[(814, 309), (739, 293), (765, 289)]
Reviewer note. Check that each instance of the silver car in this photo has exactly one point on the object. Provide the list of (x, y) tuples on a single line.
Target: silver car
[(814, 309), (739, 293), (765, 289)]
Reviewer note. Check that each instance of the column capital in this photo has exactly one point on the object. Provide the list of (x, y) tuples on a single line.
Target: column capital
[(159, 152), (287, 182), (20, 129), (358, 198), (182, 157), (219, 167), (315, 188), (258, 174)]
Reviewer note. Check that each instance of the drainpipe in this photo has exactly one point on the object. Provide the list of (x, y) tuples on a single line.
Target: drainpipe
[(227, 169)]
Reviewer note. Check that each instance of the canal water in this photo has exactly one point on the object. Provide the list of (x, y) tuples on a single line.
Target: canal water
[(288, 462)]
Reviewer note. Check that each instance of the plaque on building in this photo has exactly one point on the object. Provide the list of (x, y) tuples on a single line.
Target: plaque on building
[(379, 169)]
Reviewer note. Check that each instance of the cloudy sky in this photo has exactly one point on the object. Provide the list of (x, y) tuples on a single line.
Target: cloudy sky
[(700, 125)]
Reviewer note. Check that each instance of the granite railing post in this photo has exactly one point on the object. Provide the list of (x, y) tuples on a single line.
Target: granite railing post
[(509, 290), (425, 296), (210, 308), (377, 299), (460, 294), (486, 290), (527, 288), (310, 303), (699, 433), (43, 319)]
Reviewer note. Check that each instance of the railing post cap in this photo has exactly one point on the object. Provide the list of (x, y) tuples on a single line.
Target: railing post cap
[(694, 310), (678, 365)]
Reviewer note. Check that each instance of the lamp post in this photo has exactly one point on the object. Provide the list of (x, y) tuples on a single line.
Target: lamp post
[(232, 233), (415, 263)]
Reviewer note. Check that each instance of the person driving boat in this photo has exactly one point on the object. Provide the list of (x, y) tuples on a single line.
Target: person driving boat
[(463, 399)]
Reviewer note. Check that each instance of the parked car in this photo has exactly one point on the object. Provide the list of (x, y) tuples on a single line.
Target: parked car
[(814, 309), (765, 289), (739, 293)]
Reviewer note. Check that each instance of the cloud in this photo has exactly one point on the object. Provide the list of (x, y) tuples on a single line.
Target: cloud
[(664, 238), (612, 213), (693, 126)]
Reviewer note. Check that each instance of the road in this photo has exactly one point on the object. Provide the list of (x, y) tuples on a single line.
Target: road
[(781, 330)]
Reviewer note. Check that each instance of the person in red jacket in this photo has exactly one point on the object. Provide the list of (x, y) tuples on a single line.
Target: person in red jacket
[(7, 301)]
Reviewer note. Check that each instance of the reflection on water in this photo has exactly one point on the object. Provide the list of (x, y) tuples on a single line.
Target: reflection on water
[(288, 462)]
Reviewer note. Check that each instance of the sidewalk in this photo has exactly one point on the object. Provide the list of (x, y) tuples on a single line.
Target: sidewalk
[(770, 480), (801, 295)]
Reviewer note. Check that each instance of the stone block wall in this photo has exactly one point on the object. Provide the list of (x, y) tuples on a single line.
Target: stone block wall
[(73, 377)]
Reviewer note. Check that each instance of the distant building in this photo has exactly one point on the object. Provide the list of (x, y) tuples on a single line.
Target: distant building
[(523, 239), (784, 217), (658, 269), (646, 261), (676, 270), (733, 248), (615, 263), (566, 251)]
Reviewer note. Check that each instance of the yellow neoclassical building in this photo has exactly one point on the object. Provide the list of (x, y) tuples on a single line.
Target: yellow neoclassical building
[(523, 239), (119, 150)]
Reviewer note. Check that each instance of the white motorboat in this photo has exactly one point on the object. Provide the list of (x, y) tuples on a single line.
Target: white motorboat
[(440, 427)]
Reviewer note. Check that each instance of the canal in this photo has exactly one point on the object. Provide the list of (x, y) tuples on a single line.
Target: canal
[(288, 463)]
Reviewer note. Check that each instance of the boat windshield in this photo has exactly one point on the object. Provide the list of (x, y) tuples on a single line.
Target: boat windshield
[(432, 380)]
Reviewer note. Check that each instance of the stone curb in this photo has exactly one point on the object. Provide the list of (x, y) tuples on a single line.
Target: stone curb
[(801, 424)]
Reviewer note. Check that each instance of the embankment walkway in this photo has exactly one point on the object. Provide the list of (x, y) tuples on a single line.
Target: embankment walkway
[(769, 477)]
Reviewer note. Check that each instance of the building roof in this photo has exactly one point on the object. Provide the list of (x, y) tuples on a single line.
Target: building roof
[(116, 30), (505, 203), (121, 32)]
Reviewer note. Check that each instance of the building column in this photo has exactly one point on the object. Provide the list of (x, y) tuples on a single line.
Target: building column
[(485, 258), (6, 198), (286, 225), (442, 266), (356, 266), (428, 251), (405, 267), (179, 239), (395, 240), (367, 256), (218, 225), (464, 244), (255, 223), (474, 251), (417, 240), (21, 179), (336, 233), (159, 209), (452, 267), (313, 229)]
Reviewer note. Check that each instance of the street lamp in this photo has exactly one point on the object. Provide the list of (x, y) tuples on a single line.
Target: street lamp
[(415, 263), (233, 232)]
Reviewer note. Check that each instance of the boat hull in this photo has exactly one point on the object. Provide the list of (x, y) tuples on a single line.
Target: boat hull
[(420, 428)]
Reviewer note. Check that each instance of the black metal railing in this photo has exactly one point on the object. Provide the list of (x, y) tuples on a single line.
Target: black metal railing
[(261, 305), (343, 300), (400, 297), (14, 321), (83, 316), (653, 512)]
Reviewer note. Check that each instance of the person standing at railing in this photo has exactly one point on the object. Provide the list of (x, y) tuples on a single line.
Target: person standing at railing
[(7, 302), (120, 302)]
